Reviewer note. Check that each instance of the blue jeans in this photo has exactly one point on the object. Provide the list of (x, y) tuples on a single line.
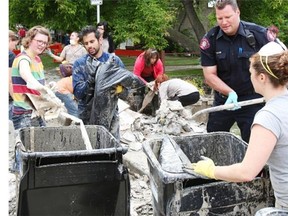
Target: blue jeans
[(24, 120), (10, 110), (69, 103)]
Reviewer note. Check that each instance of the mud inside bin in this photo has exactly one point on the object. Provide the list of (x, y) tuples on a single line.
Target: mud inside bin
[(60, 177), (52, 139), (177, 193)]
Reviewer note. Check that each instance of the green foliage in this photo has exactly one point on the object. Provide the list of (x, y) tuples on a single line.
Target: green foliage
[(144, 22), (198, 82), (263, 12), (66, 15), (267, 13)]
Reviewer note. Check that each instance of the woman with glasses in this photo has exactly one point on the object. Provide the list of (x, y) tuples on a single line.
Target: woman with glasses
[(28, 78), (108, 45)]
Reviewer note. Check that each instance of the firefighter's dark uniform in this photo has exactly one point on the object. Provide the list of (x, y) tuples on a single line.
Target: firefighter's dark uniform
[(231, 55)]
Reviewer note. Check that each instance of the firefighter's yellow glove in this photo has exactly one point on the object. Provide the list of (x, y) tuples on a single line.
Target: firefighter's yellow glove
[(119, 89), (205, 167)]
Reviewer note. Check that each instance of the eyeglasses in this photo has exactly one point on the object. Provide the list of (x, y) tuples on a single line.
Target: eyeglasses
[(100, 28), (41, 43)]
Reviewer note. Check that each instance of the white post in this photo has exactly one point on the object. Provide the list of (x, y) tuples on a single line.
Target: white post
[(98, 13), (97, 3)]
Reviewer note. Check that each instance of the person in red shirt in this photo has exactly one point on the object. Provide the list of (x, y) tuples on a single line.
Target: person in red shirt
[(147, 67)]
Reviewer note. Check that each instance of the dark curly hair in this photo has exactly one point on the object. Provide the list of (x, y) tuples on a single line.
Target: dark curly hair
[(89, 29)]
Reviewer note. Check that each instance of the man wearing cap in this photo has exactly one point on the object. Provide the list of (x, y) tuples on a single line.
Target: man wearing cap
[(225, 52)]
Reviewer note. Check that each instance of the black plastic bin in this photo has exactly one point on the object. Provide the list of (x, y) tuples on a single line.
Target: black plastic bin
[(179, 193), (58, 176)]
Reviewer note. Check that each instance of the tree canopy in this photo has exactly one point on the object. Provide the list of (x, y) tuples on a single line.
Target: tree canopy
[(149, 23)]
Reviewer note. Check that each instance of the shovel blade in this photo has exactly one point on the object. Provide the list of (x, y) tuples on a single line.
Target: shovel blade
[(148, 98)]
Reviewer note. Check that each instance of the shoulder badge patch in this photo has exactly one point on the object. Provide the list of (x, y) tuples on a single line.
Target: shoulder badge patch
[(271, 36), (204, 44)]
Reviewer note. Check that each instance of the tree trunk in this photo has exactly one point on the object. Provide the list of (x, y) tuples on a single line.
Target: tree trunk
[(182, 40), (194, 20)]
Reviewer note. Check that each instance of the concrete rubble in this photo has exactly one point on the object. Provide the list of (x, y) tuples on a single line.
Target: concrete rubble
[(136, 129)]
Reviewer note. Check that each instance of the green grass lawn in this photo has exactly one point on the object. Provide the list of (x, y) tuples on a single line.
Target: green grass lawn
[(129, 61), (185, 73), (48, 62), (192, 75)]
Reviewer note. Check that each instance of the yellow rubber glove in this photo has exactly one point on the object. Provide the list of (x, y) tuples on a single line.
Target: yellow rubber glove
[(119, 89), (205, 167)]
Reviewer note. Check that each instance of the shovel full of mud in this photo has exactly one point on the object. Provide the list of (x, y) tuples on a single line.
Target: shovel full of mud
[(59, 176)]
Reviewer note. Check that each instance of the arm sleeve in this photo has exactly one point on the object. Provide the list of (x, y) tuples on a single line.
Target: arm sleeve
[(163, 91), (138, 67), (207, 51), (63, 53), (119, 62), (158, 68), (269, 121), (80, 79)]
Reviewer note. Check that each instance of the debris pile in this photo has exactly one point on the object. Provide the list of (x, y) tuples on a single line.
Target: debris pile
[(171, 119)]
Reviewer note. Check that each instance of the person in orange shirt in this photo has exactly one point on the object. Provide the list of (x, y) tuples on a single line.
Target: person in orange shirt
[(63, 89)]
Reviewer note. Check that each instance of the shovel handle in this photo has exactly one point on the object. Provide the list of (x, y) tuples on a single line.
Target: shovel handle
[(83, 129), (229, 106)]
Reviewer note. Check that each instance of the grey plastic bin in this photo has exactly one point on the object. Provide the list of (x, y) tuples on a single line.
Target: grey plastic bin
[(59, 177), (184, 194)]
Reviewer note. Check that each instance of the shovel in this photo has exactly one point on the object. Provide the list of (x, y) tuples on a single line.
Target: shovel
[(54, 110), (84, 133), (148, 98), (228, 106)]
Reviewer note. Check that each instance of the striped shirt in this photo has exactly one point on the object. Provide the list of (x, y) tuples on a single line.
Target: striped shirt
[(19, 84)]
